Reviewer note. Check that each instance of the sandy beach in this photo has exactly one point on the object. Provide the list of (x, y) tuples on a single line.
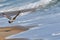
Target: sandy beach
[(7, 31)]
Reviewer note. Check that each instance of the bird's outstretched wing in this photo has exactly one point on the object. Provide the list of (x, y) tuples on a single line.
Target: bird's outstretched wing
[(16, 13), (7, 16)]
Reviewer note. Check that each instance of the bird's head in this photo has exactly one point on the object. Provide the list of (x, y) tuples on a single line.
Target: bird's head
[(10, 21)]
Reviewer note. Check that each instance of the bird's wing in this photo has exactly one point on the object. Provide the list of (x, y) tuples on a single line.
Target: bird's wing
[(12, 13), (16, 15), (7, 16)]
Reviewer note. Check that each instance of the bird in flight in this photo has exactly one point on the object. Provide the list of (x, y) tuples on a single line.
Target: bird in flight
[(42, 5), (11, 19)]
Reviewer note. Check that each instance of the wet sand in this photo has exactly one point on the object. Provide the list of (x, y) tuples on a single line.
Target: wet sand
[(7, 31)]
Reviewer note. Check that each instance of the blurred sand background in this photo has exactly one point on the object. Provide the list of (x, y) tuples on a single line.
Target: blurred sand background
[(7, 31)]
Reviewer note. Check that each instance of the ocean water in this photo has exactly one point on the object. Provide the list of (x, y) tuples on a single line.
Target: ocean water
[(47, 18), (43, 16)]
